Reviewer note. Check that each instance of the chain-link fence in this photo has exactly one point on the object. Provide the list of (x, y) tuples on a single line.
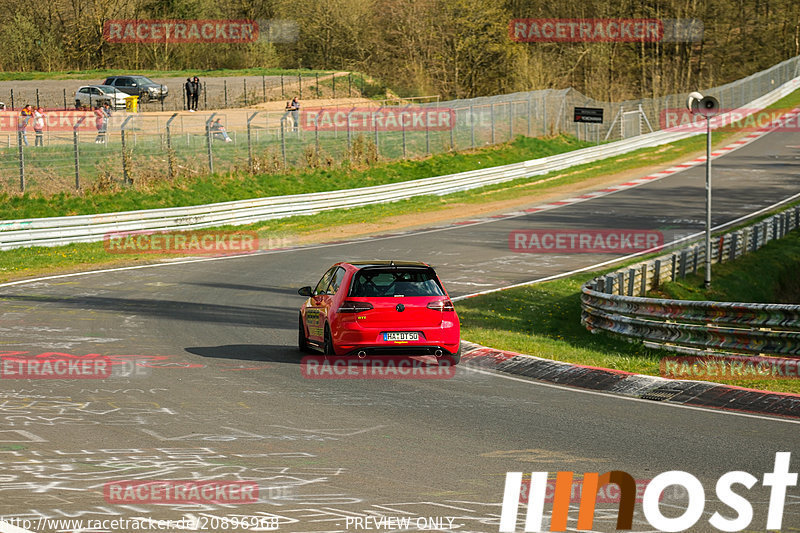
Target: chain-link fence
[(215, 92), (137, 148)]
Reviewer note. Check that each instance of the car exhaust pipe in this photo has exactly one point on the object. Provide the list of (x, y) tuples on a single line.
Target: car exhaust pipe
[(362, 354), (437, 353)]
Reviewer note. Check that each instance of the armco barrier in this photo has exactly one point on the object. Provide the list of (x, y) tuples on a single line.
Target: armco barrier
[(89, 228), (693, 327)]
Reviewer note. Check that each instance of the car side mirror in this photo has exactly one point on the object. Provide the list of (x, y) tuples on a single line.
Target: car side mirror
[(304, 291)]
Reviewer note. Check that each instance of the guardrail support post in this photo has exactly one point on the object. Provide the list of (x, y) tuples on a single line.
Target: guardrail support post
[(644, 280), (694, 260), (631, 280), (657, 274), (621, 283), (674, 265), (609, 284), (684, 260), (734, 246)]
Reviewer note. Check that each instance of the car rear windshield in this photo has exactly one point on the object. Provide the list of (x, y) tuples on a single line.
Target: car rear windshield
[(395, 282)]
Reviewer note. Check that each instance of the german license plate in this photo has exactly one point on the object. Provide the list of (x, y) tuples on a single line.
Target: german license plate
[(401, 336)]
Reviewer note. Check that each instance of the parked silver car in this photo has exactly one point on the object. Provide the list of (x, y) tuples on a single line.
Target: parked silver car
[(94, 95)]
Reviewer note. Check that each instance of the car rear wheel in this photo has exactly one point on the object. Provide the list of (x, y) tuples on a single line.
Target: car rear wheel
[(328, 342), (452, 359), (302, 341)]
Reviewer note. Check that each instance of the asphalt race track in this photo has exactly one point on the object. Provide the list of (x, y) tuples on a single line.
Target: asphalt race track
[(217, 391)]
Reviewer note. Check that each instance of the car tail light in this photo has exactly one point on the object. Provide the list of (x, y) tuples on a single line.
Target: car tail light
[(441, 305), (354, 307)]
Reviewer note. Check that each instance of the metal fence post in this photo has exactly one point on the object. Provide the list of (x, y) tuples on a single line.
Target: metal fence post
[(244, 82), (316, 131), (225, 89), (631, 280), (427, 138), (643, 291), (283, 140), (283, 93), (75, 152), (300, 84), (349, 84), (162, 98), (65, 99), (510, 121), (492, 114), (264, 87), (657, 274), (12, 99), (316, 76), (208, 142), (37, 98), (170, 155), (472, 126), (348, 129), (125, 178), (454, 117), (377, 138), (249, 142), (334, 85), (529, 115), (21, 162), (403, 123)]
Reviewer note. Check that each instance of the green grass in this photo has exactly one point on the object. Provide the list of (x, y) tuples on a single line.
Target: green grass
[(103, 73), (766, 276), (235, 186)]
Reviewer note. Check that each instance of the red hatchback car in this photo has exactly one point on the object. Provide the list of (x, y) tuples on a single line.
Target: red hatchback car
[(380, 308)]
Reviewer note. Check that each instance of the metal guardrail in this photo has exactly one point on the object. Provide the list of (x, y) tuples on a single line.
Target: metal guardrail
[(54, 231), (695, 327)]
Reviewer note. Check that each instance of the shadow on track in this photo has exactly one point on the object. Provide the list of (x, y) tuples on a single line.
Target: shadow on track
[(250, 352)]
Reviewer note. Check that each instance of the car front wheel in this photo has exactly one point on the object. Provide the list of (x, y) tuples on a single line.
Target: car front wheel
[(302, 341)]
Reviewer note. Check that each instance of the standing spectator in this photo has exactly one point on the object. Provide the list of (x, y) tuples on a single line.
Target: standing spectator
[(196, 93), (22, 125), (293, 107), (38, 126), (101, 123), (190, 92)]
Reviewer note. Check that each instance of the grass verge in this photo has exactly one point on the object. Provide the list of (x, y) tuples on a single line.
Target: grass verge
[(544, 319)]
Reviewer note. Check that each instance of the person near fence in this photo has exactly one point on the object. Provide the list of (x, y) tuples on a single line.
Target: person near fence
[(294, 108), (25, 117), (101, 123), (196, 93), (218, 131), (38, 126), (190, 92)]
